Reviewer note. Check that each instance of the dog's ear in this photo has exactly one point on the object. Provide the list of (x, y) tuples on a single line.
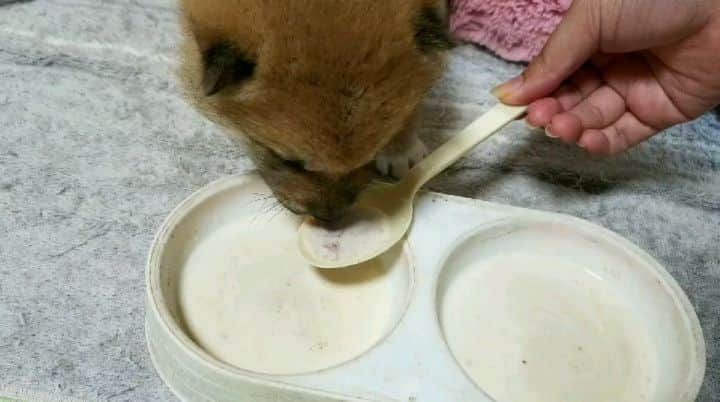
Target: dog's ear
[(224, 65), (432, 32)]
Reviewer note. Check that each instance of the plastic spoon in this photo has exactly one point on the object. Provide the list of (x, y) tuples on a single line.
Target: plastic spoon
[(383, 212)]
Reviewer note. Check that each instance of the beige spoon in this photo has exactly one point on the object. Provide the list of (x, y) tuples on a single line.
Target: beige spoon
[(384, 211)]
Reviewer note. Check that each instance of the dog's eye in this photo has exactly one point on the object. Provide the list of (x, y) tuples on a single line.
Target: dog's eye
[(296, 165), (278, 161), (225, 65)]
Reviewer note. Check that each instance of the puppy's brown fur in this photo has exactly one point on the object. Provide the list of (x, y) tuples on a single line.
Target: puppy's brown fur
[(317, 87)]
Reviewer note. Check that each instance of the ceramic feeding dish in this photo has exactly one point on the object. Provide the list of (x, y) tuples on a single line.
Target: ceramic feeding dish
[(480, 302)]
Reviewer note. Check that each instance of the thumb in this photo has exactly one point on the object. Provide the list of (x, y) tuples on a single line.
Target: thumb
[(574, 41)]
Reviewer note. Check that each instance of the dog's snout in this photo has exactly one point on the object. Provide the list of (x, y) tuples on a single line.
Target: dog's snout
[(333, 205), (327, 213)]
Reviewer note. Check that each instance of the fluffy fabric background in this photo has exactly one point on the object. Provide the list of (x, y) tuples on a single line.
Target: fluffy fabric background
[(513, 29), (96, 147)]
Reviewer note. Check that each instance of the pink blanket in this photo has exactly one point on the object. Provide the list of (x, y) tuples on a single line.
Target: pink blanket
[(513, 29)]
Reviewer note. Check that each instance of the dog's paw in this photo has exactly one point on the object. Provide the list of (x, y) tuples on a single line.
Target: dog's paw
[(397, 161)]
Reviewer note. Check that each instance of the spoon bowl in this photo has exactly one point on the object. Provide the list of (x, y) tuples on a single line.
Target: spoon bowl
[(384, 212), (380, 219)]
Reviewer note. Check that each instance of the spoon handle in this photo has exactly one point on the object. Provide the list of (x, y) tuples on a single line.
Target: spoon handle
[(459, 145)]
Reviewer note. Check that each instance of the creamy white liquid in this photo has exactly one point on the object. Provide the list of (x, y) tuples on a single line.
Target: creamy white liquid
[(250, 299), (535, 329), (361, 232)]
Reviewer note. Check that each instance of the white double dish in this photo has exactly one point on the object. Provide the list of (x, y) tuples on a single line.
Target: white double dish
[(479, 302)]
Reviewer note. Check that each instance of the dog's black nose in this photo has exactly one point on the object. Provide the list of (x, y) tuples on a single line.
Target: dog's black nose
[(327, 215)]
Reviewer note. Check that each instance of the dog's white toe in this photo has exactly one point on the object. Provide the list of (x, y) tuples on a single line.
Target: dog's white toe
[(397, 162)]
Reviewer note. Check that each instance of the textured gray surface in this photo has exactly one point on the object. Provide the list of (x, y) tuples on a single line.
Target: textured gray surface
[(96, 147)]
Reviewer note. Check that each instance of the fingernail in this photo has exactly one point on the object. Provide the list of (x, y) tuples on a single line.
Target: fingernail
[(582, 145), (529, 125), (503, 90), (549, 133)]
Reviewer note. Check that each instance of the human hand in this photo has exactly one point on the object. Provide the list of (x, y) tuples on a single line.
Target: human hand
[(616, 72)]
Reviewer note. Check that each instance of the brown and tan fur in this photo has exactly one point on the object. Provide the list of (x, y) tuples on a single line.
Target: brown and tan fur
[(318, 88)]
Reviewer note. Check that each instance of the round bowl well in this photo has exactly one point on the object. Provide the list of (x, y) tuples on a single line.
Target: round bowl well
[(547, 311), (230, 293)]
